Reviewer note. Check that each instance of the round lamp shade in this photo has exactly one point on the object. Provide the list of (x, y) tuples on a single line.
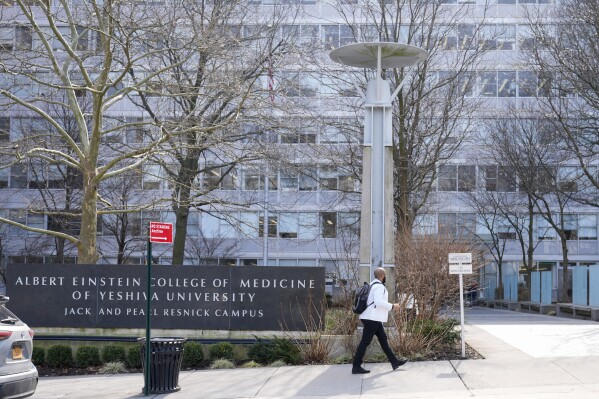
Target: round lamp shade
[(364, 55)]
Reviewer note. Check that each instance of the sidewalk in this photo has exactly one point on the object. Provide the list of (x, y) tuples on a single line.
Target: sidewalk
[(526, 356)]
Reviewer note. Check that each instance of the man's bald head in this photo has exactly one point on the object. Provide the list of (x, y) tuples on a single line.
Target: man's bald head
[(379, 273)]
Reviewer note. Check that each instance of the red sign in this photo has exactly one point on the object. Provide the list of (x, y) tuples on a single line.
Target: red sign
[(161, 232)]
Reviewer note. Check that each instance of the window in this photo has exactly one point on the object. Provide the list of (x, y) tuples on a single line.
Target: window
[(308, 34), (544, 229), (289, 180), (330, 36), (526, 40), (448, 178), (248, 224), (457, 177), (23, 38), (308, 179), (457, 224), (151, 177), (272, 226), (82, 39), (223, 177), (328, 178), (19, 216), (425, 224), (346, 35), (135, 131), (288, 225), (308, 225), (4, 129), (487, 85), (527, 84), (466, 37), (505, 230), (447, 224), (506, 84), (18, 176), (587, 227), (36, 221), (570, 226), (4, 173), (347, 180), (568, 177), (329, 224), (466, 177), (349, 224), (210, 225), (499, 178), (6, 38), (253, 179)]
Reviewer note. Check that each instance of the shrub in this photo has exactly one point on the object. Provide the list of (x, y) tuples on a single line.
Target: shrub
[(134, 356), (193, 354), (112, 368), (59, 356), (277, 363), (87, 356), (114, 353), (38, 357), (222, 364), (277, 349), (442, 331), (250, 365), (222, 350)]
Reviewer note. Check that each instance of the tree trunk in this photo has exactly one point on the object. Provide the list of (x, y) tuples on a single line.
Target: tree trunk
[(87, 245), (182, 215), (181, 205), (565, 296)]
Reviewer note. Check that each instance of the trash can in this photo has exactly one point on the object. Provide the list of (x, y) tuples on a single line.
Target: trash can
[(165, 363)]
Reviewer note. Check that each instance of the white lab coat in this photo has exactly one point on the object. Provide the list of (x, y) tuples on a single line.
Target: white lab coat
[(379, 298)]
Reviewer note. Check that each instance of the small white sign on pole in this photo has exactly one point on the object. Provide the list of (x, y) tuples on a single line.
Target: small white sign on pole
[(460, 268), (465, 257), (460, 264)]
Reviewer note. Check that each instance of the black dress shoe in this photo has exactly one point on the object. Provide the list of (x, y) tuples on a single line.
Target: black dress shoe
[(399, 362), (360, 370)]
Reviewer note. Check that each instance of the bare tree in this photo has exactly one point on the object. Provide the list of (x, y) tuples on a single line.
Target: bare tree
[(217, 82), (565, 56), (75, 50), (527, 146)]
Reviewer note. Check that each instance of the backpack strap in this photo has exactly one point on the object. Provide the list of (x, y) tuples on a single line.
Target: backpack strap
[(376, 282)]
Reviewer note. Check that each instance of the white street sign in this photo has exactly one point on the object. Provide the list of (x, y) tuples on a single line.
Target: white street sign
[(465, 257), (460, 268)]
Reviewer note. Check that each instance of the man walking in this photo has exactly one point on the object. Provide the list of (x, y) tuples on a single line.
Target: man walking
[(373, 318)]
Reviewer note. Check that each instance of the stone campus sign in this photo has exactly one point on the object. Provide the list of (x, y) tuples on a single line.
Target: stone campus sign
[(183, 297)]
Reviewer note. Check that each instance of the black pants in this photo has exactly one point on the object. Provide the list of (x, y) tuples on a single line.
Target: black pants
[(372, 328)]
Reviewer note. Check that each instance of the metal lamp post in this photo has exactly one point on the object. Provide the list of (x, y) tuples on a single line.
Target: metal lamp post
[(376, 237)]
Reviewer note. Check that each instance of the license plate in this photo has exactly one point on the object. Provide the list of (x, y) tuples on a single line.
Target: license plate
[(17, 352)]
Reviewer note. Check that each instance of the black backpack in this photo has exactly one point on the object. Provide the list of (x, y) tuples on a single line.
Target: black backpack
[(361, 298)]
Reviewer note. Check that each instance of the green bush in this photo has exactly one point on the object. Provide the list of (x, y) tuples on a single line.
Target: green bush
[(277, 349), (193, 354), (38, 357), (222, 350), (87, 356), (222, 364), (59, 356), (114, 353), (442, 331), (134, 356)]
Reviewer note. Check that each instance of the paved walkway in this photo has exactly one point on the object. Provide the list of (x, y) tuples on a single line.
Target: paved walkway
[(526, 356)]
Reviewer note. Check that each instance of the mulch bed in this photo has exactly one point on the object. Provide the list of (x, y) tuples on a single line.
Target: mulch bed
[(449, 353)]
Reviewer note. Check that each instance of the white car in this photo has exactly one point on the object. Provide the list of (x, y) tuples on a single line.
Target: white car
[(18, 376)]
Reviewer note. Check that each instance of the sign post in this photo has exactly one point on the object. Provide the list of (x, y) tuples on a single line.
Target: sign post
[(461, 263), (160, 233)]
